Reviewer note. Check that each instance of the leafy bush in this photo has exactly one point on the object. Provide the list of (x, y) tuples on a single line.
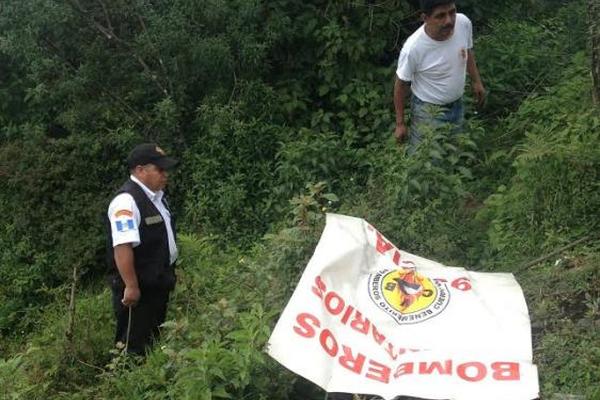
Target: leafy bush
[(421, 201), (230, 182), (555, 186), (51, 363), (55, 193), (518, 59)]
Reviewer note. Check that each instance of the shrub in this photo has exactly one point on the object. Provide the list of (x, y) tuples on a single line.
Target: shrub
[(55, 193), (521, 58), (421, 201), (554, 189)]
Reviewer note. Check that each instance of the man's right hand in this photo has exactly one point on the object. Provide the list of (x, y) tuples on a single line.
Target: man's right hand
[(401, 133), (131, 296)]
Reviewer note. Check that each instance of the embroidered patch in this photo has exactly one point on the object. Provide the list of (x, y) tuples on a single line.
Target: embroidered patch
[(123, 213), (155, 219), (124, 225)]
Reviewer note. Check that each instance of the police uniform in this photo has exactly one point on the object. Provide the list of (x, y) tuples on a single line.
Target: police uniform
[(141, 217)]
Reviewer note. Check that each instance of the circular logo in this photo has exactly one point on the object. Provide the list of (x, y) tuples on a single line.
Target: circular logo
[(408, 296)]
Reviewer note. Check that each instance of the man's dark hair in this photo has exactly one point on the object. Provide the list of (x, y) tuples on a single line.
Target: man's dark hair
[(427, 6)]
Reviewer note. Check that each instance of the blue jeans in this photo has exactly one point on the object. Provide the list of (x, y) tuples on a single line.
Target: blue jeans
[(432, 116)]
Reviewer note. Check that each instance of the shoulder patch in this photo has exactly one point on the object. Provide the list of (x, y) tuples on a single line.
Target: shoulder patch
[(124, 225), (123, 213)]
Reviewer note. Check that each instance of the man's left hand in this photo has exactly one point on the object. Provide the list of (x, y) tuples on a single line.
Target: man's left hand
[(479, 93)]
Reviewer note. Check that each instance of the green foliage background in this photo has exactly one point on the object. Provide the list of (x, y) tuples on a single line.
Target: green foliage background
[(280, 111)]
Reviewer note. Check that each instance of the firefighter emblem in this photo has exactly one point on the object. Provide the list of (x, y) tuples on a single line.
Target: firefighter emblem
[(408, 296)]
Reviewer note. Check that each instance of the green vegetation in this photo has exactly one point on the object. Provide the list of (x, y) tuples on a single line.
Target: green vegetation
[(280, 111)]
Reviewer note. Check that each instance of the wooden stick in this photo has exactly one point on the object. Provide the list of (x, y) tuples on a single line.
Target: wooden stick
[(71, 324), (554, 253)]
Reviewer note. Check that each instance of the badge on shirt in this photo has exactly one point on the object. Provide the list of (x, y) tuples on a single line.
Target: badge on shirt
[(155, 219), (124, 225), (124, 213)]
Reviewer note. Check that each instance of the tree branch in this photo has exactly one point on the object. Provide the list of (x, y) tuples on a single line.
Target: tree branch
[(56, 51), (106, 15), (554, 253), (110, 34), (160, 61)]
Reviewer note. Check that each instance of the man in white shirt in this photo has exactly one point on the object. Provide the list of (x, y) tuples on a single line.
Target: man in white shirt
[(432, 64), (141, 249)]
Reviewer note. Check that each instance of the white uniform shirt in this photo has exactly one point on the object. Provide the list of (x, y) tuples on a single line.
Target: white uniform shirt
[(436, 68), (125, 218)]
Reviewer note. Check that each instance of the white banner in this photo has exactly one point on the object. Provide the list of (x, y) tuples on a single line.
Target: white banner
[(369, 318)]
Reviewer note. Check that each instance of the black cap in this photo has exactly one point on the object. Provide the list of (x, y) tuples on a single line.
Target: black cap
[(150, 153)]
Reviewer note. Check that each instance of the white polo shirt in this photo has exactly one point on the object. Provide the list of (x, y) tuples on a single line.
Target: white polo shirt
[(437, 69), (124, 216)]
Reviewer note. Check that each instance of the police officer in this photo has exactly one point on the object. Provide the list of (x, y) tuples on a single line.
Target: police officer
[(141, 249)]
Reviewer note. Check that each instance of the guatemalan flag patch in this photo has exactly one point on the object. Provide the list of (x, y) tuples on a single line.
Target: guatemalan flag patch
[(124, 225)]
